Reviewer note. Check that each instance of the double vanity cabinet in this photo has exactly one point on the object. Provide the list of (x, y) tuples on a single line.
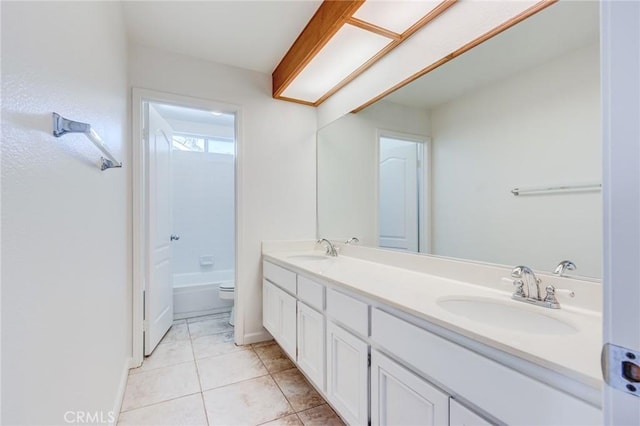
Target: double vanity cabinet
[(377, 364)]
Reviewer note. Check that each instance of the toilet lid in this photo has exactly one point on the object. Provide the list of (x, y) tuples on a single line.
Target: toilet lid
[(228, 286)]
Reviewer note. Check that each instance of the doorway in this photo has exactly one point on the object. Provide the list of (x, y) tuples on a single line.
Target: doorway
[(184, 213), (401, 192)]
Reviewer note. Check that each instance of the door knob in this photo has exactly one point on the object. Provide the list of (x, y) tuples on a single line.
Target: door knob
[(175, 237)]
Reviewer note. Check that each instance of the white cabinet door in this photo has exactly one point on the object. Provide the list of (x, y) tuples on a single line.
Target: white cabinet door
[(459, 415), (269, 308), (311, 344), (287, 311), (279, 316), (347, 375), (399, 397)]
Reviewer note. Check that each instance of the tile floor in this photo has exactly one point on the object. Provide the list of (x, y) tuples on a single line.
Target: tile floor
[(198, 376)]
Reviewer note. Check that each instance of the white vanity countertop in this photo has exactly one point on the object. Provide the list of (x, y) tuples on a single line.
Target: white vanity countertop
[(575, 355)]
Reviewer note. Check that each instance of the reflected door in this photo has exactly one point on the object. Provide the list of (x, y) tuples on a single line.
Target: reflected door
[(398, 194)]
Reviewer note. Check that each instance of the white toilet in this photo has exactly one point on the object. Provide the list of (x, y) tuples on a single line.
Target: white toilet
[(226, 292)]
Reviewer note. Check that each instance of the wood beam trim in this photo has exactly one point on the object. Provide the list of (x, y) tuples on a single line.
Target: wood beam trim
[(328, 19), (373, 28), (434, 13), (486, 36)]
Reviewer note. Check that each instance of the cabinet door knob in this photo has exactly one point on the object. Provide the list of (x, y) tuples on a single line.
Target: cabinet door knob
[(175, 237)]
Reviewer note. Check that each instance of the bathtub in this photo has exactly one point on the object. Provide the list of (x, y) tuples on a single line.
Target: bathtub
[(196, 294)]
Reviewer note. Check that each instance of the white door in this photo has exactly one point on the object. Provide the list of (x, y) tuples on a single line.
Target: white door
[(311, 344), (288, 329), (279, 316), (348, 375), (398, 194), (269, 308), (621, 198), (159, 286), (400, 398)]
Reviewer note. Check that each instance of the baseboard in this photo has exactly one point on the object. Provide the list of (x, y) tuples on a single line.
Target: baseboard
[(260, 336), (193, 314), (117, 405)]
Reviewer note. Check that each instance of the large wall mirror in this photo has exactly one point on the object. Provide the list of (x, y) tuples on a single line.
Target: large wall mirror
[(495, 156)]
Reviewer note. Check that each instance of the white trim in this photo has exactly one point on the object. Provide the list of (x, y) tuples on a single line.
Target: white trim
[(238, 321), (122, 386), (424, 203), (257, 337), (620, 65), (139, 221)]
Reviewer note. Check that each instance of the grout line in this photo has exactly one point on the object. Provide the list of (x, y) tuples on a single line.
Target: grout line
[(204, 407), (195, 361), (235, 383), (158, 402)]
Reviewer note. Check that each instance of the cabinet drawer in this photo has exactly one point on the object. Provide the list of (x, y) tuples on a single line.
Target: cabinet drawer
[(279, 276), (311, 292), (469, 374), (348, 311)]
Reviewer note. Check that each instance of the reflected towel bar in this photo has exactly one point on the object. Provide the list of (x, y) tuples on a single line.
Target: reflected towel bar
[(592, 186), (62, 125)]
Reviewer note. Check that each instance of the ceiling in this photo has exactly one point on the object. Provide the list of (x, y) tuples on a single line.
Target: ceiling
[(254, 35)]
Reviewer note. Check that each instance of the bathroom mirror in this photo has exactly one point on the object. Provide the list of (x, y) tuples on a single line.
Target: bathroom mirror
[(494, 157)]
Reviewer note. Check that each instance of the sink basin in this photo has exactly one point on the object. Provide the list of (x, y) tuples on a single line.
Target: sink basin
[(502, 314), (308, 257)]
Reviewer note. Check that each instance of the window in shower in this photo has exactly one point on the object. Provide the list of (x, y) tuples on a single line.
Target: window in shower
[(195, 143)]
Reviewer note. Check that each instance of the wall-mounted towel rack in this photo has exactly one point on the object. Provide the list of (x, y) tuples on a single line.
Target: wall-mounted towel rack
[(574, 187), (62, 125)]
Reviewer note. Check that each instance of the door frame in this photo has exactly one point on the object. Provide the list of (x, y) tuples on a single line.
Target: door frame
[(620, 63), (139, 219), (424, 185)]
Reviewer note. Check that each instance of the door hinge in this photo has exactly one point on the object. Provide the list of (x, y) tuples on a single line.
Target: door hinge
[(368, 360), (621, 368)]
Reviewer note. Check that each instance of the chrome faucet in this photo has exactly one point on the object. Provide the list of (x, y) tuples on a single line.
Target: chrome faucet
[(331, 250), (525, 272), (352, 240), (565, 265)]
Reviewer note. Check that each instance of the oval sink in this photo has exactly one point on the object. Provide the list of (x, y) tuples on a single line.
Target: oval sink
[(505, 315), (308, 257)]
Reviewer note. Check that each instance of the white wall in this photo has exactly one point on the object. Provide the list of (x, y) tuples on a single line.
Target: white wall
[(203, 211), (348, 169), (277, 154), (66, 276), (540, 127)]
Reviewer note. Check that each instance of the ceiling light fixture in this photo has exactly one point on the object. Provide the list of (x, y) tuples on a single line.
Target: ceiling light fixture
[(346, 38)]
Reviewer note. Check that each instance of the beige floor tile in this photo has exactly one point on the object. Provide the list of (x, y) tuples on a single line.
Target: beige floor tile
[(224, 315), (300, 394), (210, 326), (290, 420), (250, 402), (186, 411), (167, 354), (265, 343), (161, 384), (177, 332), (320, 416), (231, 368), (274, 359), (216, 344)]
